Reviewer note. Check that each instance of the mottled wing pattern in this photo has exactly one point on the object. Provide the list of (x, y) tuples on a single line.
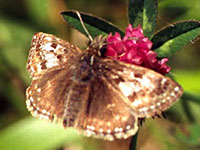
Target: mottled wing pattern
[(47, 51), (47, 64), (46, 95), (146, 91), (104, 114)]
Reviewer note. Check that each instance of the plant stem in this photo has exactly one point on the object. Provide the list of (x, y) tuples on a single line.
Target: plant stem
[(133, 143)]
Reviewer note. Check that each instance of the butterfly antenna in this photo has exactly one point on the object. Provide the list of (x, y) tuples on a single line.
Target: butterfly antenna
[(83, 25), (165, 21)]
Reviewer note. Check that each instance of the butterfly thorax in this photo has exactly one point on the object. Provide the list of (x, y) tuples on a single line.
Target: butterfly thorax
[(89, 61), (97, 47), (87, 66)]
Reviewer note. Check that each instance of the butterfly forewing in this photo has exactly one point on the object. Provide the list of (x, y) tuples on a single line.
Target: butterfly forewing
[(47, 51), (146, 91), (47, 63)]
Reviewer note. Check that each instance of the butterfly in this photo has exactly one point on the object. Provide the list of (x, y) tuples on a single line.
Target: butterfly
[(99, 96)]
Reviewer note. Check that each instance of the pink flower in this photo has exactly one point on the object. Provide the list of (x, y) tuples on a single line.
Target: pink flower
[(135, 48)]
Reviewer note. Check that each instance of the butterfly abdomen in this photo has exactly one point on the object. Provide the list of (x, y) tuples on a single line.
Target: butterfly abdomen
[(73, 103)]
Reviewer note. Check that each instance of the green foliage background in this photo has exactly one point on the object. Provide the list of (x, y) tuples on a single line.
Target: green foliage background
[(20, 19)]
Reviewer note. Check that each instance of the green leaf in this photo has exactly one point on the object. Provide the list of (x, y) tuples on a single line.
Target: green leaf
[(172, 38), (189, 135), (144, 13), (95, 25), (188, 111), (15, 45), (38, 12), (191, 97), (34, 134), (189, 79)]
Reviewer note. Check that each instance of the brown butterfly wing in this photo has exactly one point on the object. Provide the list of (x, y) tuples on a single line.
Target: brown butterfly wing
[(50, 71), (146, 91), (46, 95), (104, 114), (47, 52)]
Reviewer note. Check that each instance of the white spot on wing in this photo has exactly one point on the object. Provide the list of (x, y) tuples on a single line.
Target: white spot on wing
[(116, 129), (128, 127), (152, 107), (31, 99), (51, 64), (101, 130), (48, 38), (47, 47), (28, 103), (144, 81), (144, 109), (44, 111), (120, 129), (39, 90), (92, 128), (176, 88), (34, 37), (127, 88), (49, 56), (136, 103), (173, 94), (108, 131), (158, 104)]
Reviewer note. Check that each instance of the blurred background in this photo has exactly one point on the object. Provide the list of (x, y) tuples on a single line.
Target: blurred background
[(20, 19)]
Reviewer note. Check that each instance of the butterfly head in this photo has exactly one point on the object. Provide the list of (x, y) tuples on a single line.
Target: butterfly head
[(98, 45)]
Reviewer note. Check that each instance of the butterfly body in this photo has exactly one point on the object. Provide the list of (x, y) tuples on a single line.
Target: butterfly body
[(83, 72), (99, 96)]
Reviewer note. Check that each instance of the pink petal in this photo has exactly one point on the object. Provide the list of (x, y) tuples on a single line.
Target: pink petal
[(135, 48)]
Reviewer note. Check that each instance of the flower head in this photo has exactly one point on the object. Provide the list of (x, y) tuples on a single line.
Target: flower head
[(135, 48)]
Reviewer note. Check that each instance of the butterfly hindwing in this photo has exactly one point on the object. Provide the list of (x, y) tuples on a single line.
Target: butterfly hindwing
[(104, 115), (146, 91), (46, 95)]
